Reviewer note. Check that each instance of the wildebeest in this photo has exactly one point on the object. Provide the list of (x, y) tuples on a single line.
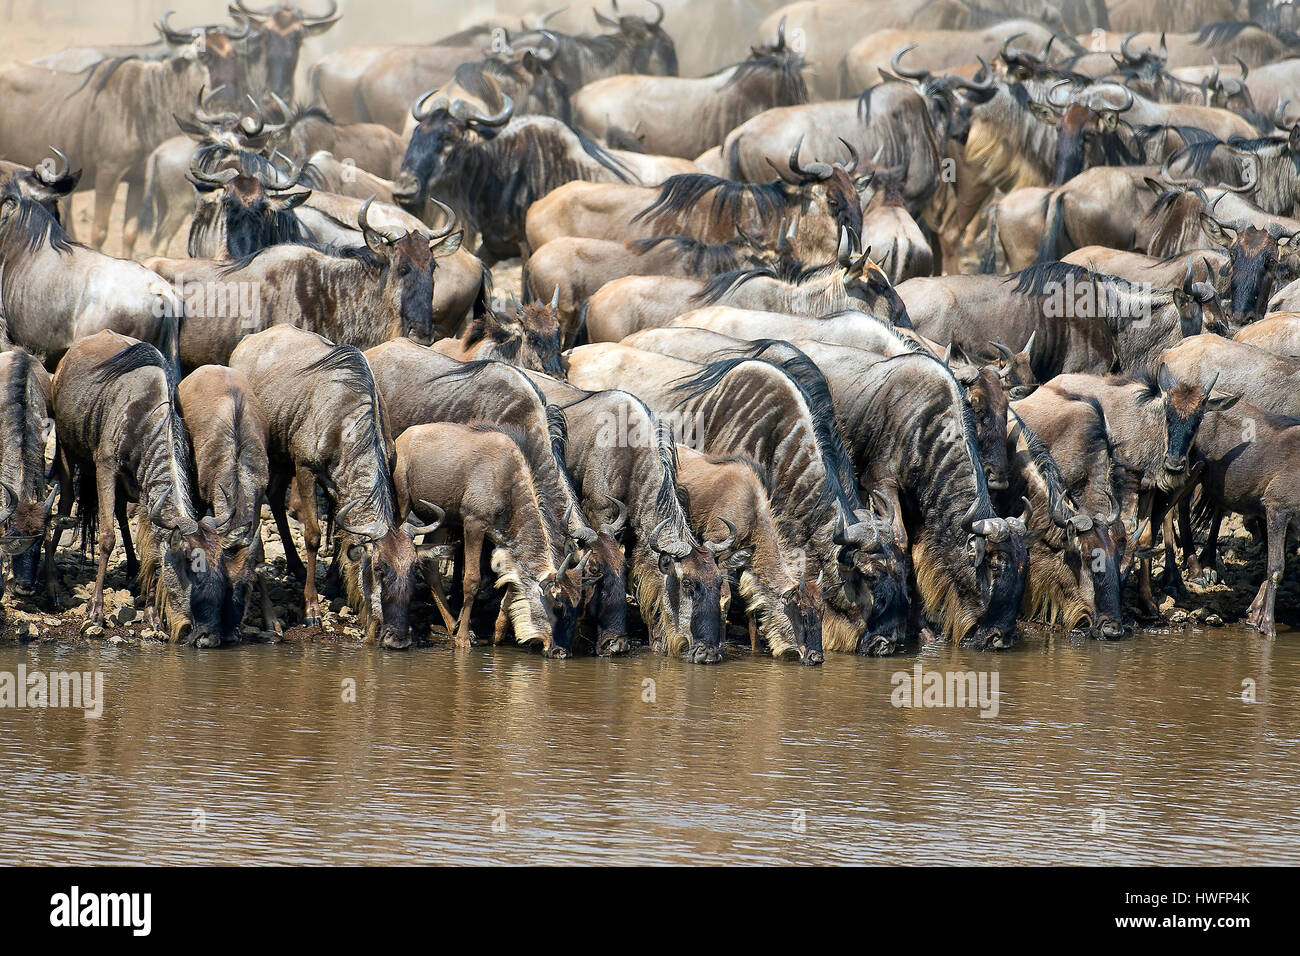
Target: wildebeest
[(227, 436), (418, 385), (111, 117), (619, 452), (1265, 380), (327, 427), (577, 266), (715, 104), (639, 46), (357, 297), (484, 489), (491, 169), (243, 207), (1085, 321), (25, 425), (1152, 422), (781, 608), (1277, 332), (48, 182), (121, 440), (891, 235), (54, 291), (624, 306), (371, 147), (276, 45), (820, 200), (811, 476), (1253, 266), (1250, 458), (912, 436)]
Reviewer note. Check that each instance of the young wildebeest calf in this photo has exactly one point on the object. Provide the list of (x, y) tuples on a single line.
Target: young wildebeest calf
[(327, 427), (118, 428), (24, 427), (228, 436), (484, 486)]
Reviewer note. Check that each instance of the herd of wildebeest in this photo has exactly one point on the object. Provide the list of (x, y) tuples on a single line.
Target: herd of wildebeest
[(923, 319)]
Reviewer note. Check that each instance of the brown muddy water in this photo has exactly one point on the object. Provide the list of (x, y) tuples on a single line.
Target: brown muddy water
[(1140, 751)]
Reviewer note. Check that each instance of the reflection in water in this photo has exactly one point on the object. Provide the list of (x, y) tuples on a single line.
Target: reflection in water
[(1134, 752)]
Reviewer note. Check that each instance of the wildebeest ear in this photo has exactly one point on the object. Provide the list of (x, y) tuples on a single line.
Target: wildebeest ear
[(1217, 231), (446, 245), (289, 201), (1221, 403), (1165, 378)]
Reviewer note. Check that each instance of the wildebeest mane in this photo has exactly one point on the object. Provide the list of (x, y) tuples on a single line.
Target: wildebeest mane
[(680, 194), (699, 256), (35, 228)]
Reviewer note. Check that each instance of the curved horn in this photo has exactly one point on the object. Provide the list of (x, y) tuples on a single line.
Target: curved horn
[(451, 220), (976, 84), (171, 34), (968, 520), (415, 530), (886, 503), (51, 173), (250, 126), (653, 541), (660, 19), (1245, 68), (1168, 177), (243, 8), (717, 546), (1006, 45), (612, 528), (421, 108), (1051, 95), (496, 119), (1123, 48), (239, 19), (201, 175), (1028, 513), (1113, 515), (317, 17), (851, 166), (815, 171), (897, 67), (1002, 350), (552, 47), (367, 230)]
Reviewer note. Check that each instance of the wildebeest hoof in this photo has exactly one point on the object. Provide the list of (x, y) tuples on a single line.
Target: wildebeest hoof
[(705, 654), (396, 642), (609, 646), (207, 640), (555, 652), (811, 658)]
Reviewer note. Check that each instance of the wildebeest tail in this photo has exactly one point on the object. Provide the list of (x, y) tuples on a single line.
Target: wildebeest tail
[(1052, 228)]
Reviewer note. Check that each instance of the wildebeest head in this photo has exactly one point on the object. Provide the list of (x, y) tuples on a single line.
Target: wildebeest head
[(243, 208), (525, 335), (278, 40), (1015, 370), (1252, 266), (604, 586), (408, 260), (874, 574), (1091, 117), (24, 431), (443, 129), (378, 566), (998, 557), (867, 283), (831, 185), (214, 48), (193, 595), (1185, 405), (1230, 92), (692, 594), (988, 404), (535, 598), (652, 48), (949, 100), (1092, 542), (46, 183)]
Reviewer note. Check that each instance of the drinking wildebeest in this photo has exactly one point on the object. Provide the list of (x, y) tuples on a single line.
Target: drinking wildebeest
[(120, 439), (25, 426), (327, 428)]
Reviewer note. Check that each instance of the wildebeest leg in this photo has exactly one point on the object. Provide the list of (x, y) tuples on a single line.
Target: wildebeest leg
[(433, 578), (753, 632), (106, 180), (63, 475), (1145, 598), (1210, 553), (303, 478), (1170, 578), (131, 215), (502, 628), (132, 565), (270, 620), (471, 572), (1191, 565), (106, 486), (1261, 609), (276, 496)]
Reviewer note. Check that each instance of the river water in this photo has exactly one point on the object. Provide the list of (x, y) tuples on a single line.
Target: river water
[(1140, 751)]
